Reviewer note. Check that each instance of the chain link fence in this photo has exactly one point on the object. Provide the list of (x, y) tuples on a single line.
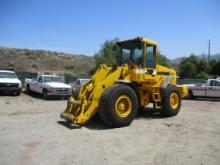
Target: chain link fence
[(190, 81), (67, 77)]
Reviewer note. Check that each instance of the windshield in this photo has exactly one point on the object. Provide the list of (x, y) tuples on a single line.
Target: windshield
[(81, 81), (52, 79), (84, 81), (130, 53), (7, 75)]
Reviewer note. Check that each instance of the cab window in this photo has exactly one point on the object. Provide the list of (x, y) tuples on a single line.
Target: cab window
[(78, 82), (40, 79), (215, 83), (131, 53), (150, 56)]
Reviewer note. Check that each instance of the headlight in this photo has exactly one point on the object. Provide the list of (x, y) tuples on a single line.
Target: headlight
[(20, 85), (70, 89), (51, 89)]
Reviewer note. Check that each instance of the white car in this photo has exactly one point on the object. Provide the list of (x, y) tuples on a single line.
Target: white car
[(78, 83), (9, 83), (48, 85)]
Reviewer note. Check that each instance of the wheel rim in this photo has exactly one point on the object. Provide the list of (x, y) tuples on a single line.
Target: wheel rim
[(123, 106), (174, 101)]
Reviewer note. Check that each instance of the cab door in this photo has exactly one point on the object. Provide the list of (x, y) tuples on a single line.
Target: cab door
[(39, 84), (150, 57), (150, 61), (213, 89)]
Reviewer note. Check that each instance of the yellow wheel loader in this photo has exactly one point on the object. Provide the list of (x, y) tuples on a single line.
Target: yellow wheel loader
[(118, 92)]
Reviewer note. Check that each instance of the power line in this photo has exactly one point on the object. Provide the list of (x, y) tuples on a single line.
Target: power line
[(209, 50)]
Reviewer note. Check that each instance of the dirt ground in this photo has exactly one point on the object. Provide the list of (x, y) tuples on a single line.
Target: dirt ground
[(31, 132)]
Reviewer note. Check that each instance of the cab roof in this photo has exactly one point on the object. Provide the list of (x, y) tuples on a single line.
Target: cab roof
[(7, 71), (48, 75), (148, 41)]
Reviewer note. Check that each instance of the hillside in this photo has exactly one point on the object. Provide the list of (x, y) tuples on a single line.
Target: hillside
[(212, 57), (35, 60)]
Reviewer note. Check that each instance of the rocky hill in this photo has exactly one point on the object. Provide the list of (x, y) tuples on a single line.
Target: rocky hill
[(35, 60)]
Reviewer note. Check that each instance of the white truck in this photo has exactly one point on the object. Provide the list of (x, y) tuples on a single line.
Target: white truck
[(48, 85), (209, 89), (9, 83), (77, 85)]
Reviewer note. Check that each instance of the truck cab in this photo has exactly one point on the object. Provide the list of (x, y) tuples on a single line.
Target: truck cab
[(213, 88), (9, 82), (48, 85)]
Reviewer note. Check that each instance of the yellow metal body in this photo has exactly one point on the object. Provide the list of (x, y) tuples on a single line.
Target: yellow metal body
[(147, 87)]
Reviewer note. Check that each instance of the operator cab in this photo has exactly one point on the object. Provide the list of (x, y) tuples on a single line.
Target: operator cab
[(139, 51)]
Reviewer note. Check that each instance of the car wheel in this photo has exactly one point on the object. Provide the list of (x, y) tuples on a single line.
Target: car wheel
[(45, 95)]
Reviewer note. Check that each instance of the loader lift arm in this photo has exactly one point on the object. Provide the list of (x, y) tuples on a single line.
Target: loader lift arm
[(81, 110)]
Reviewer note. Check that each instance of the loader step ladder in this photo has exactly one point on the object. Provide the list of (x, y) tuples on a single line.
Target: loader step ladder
[(156, 97)]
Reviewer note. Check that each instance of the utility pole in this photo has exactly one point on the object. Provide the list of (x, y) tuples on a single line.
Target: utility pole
[(209, 50)]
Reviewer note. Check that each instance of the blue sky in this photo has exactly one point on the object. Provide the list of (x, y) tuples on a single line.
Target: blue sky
[(81, 26)]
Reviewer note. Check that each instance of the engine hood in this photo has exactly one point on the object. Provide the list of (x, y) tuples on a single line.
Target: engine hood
[(10, 80), (165, 71), (57, 85)]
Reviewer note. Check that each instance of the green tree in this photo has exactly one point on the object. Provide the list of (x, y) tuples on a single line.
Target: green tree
[(194, 59), (203, 66), (187, 69), (164, 61), (202, 75), (212, 63), (106, 55), (193, 67), (216, 68)]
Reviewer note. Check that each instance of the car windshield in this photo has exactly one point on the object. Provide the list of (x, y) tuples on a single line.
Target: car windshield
[(84, 81), (7, 75), (130, 53), (52, 79), (81, 81)]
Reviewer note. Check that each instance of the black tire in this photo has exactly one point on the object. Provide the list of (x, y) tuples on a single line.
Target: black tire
[(45, 95), (190, 95), (167, 109), (110, 97), (141, 108), (28, 90), (18, 93)]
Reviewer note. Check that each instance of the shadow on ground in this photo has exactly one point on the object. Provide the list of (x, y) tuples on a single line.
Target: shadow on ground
[(39, 96), (95, 123), (205, 99), (8, 94)]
